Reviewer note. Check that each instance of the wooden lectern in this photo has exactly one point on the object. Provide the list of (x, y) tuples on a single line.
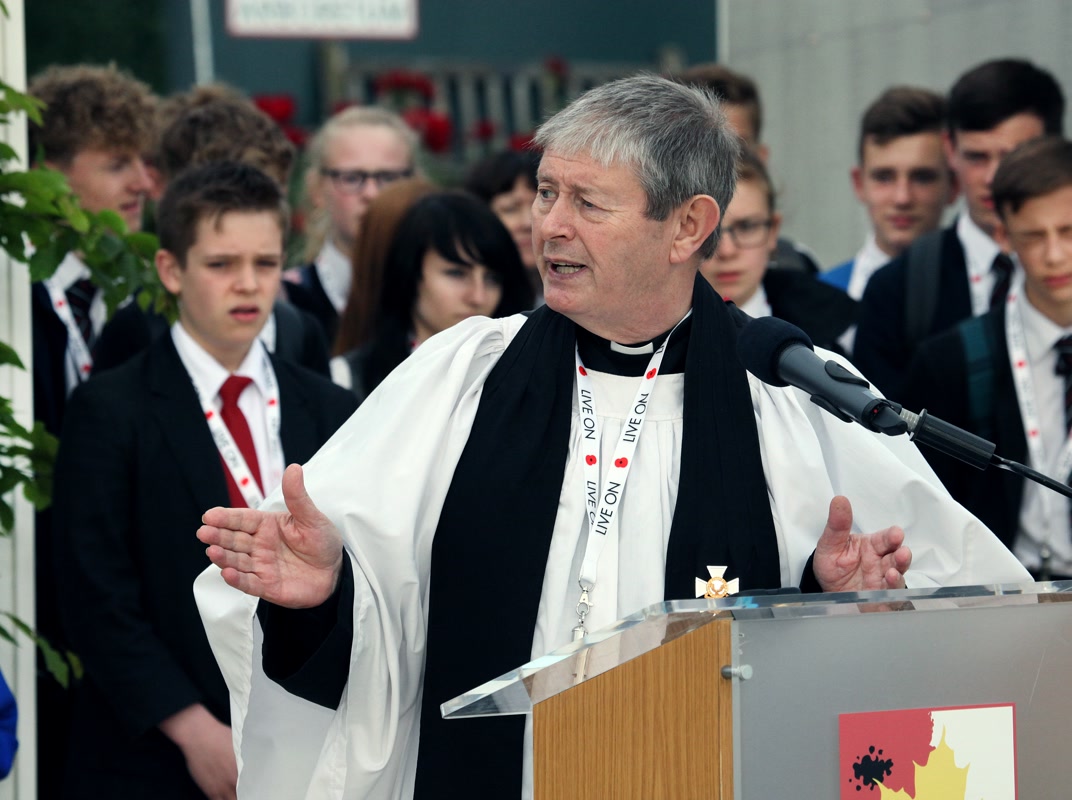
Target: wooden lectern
[(741, 698)]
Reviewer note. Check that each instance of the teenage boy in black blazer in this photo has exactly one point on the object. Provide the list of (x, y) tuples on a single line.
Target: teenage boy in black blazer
[(139, 463)]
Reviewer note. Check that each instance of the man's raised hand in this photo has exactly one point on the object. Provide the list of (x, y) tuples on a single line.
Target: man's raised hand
[(292, 558), (851, 562)]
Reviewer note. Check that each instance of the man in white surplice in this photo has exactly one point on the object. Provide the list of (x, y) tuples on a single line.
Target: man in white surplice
[(631, 185)]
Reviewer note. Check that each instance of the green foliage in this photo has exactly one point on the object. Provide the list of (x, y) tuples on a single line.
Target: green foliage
[(62, 665), (40, 222)]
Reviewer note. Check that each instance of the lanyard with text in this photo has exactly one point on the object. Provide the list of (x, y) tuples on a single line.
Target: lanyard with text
[(602, 508), (229, 451), (77, 347), (1025, 396)]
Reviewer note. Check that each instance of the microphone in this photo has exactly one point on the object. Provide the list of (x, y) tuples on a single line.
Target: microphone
[(781, 354)]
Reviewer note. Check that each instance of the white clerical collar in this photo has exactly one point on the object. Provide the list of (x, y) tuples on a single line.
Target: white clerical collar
[(208, 374), (1040, 332), (979, 248), (333, 268), (637, 350), (866, 263), (757, 305)]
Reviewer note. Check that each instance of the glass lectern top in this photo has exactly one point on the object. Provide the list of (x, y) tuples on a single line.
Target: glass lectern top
[(516, 692)]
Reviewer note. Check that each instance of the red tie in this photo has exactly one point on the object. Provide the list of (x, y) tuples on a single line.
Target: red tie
[(236, 423)]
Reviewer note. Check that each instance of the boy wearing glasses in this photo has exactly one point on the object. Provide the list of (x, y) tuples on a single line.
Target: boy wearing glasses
[(739, 268), (353, 156), (1006, 374)]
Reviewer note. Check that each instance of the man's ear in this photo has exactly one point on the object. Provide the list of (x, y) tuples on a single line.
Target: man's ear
[(170, 271), (949, 145), (1001, 236), (697, 219), (314, 189), (954, 188), (775, 229), (857, 175)]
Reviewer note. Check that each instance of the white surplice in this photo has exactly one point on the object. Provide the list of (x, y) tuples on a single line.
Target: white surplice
[(383, 478)]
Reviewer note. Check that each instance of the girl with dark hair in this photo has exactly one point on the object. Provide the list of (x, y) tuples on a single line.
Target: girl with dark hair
[(449, 259), (506, 181)]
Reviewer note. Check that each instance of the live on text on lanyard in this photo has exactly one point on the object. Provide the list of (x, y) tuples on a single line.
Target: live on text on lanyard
[(225, 443), (603, 507), (1025, 396), (77, 347)]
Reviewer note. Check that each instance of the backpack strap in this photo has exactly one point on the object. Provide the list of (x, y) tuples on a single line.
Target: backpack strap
[(977, 340), (923, 262)]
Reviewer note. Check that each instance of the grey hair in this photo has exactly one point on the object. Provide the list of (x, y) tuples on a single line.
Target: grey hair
[(674, 137)]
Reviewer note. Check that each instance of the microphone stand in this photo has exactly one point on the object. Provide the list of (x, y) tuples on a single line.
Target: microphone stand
[(884, 416)]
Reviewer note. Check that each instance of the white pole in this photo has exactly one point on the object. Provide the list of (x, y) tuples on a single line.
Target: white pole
[(17, 551), (204, 69)]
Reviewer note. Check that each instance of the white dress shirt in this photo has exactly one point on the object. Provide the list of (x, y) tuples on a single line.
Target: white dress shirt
[(756, 306), (69, 272), (866, 264), (1044, 515), (979, 253), (333, 268), (208, 376)]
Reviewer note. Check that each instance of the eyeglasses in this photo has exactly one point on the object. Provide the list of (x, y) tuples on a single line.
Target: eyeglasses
[(750, 232), (352, 181)]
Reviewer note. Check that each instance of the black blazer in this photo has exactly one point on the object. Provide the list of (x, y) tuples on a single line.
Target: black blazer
[(49, 355), (938, 381), (136, 468), (309, 295), (881, 350), (822, 311)]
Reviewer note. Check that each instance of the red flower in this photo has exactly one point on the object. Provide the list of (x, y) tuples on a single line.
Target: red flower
[(557, 66), (484, 130), (522, 141), (280, 107), (401, 81), (434, 127)]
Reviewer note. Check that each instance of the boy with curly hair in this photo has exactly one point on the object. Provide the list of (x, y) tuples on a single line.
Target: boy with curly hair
[(97, 123)]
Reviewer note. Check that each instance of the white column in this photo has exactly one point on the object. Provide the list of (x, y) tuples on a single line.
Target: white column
[(17, 551)]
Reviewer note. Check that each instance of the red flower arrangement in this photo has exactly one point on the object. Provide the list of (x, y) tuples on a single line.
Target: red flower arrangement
[(402, 82), (435, 128)]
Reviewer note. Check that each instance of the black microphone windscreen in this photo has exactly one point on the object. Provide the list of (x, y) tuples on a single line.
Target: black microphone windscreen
[(761, 342)]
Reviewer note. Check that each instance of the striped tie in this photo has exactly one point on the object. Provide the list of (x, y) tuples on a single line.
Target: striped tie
[(80, 297), (1064, 369), (1002, 271)]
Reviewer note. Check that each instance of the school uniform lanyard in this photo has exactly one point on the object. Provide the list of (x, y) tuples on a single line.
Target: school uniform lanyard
[(77, 347), (602, 508), (1025, 395), (225, 443)]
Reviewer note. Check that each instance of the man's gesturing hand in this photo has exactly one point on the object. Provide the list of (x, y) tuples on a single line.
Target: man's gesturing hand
[(850, 562), (291, 558)]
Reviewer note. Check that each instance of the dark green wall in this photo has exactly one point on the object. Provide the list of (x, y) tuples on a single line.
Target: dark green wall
[(152, 38), (496, 32)]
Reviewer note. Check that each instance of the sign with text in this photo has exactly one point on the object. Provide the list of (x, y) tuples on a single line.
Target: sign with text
[(323, 19)]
